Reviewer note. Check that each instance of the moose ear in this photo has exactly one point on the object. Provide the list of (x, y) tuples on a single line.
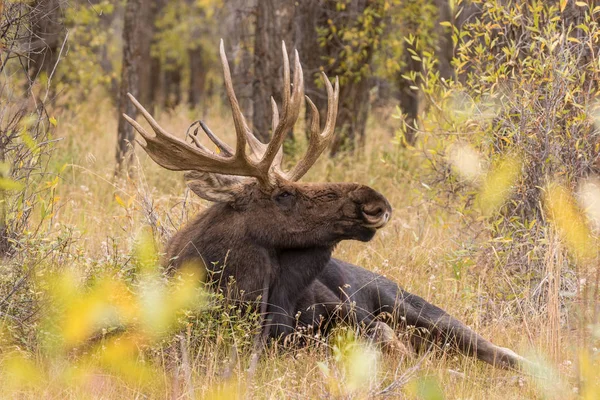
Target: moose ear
[(215, 187)]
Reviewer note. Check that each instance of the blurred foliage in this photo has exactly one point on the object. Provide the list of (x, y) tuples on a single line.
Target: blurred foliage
[(381, 29), (513, 148), (353, 367), (183, 26), (111, 323), (352, 34), (93, 59), (523, 104), (409, 24)]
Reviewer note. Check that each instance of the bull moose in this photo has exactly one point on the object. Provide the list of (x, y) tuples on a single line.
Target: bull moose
[(275, 236)]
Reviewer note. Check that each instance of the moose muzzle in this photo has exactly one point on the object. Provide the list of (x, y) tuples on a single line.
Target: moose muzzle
[(375, 210)]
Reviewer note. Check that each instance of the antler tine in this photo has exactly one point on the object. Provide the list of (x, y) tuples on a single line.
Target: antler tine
[(318, 141), (275, 119), (161, 146), (291, 109), (286, 78), (332, 104), (258, 149), (244, 134), (241, 127), (199, 145), (274, 123), (175, 154), (224, 147)]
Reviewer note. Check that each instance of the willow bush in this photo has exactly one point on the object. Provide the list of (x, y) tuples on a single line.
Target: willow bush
[(519, 117)]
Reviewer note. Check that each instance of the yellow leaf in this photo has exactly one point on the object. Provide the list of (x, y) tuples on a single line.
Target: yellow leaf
[(498, 184), (53, 121), (20, 371), (120, 201), (9, 184), (563, 5), (28, 140), (569, 221)]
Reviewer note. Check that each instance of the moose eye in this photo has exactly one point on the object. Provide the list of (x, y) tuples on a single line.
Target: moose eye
[(284, 199), (283, 195)]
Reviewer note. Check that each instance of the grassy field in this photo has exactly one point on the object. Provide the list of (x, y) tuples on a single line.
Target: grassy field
[(92, 232)]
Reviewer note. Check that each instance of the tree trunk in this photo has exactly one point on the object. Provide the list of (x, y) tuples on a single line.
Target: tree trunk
[(107, 23), (146, 14), (130, 83), (445, 46), (172, 87), (352, 117), (238, 27), (310, 15), (154, 95), (198, 69), (408, 97), (353, 109), (274, 23), (46, 35)]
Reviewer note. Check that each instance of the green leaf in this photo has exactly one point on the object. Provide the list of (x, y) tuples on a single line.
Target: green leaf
[(9, 184)]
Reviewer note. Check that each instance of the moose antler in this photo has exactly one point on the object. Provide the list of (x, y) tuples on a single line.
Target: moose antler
[(264, 161)]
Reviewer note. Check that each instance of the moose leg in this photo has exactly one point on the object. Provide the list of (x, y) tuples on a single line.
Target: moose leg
[(301, 268), (281, 317), (420, 313), (259, 339), (321, 307)]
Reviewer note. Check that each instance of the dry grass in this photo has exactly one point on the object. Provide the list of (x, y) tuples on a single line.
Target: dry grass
[(417, 249)]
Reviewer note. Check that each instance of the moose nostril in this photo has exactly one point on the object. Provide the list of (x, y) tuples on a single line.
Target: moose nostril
[(375, 215), (373, 211)]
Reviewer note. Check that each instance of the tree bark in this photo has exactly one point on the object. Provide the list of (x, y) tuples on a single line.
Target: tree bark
[(130, 82), (408, 97), (147, 14), (238, 26), (310, 15), (445, 46), (154, 89), (274, 23), (172, 87), (198, 69), (46, 35)]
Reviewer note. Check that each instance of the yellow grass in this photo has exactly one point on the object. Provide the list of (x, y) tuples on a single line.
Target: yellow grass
[(416, 249)]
